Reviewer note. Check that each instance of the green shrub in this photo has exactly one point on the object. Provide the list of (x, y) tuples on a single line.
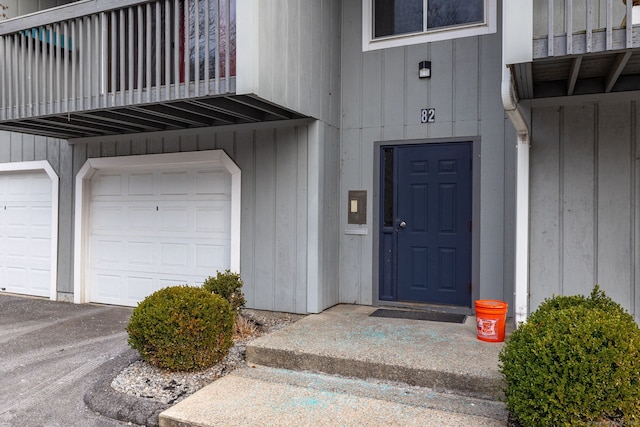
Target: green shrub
[(182, 328), (227, 285), (575, 362)]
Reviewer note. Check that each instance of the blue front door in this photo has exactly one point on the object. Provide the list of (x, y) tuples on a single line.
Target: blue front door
[(425, 230)]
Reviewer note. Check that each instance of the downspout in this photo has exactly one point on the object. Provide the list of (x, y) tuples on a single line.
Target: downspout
[(521, 276)]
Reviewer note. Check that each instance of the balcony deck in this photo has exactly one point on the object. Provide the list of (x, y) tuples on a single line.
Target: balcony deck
[(583, 51), (94, 68)]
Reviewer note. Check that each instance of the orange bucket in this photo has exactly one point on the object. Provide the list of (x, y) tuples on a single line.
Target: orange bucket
[(491, 317)]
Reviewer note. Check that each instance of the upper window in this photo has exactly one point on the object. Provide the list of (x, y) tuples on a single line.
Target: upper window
[(388, 23)]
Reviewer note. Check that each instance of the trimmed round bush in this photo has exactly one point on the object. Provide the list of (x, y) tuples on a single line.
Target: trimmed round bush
[(228, 285), (575, 362), (182, 328)]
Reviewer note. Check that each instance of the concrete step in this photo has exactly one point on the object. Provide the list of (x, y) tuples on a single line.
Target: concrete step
[(346, 341), (275, 397)]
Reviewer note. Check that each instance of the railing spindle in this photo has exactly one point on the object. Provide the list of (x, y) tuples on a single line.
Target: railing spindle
[(207, 32), (227, 50), (187, 49), (3, 83), (217, 51), (122, 64), (117, 57), (589, 33), (139, 60), (196, 38), (58, 49), (177, 48), (147, 62), (130, 57)]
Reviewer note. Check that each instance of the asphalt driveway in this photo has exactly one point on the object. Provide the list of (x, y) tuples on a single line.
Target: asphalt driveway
[(50, 355)]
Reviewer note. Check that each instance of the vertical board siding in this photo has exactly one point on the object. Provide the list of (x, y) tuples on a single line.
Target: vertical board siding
[(584, 193), (545, 206), (578, 210), (381, 101), (298, 41), (578, 16), (274, 164)]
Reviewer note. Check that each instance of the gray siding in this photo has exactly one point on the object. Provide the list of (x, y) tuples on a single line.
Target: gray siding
[(298, 56), (579, 14), (584, 197), (288, 200), (381, 101)]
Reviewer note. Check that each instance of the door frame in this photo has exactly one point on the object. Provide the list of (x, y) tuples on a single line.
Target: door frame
[(475, 209)]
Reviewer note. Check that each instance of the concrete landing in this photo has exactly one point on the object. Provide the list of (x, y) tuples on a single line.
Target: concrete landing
[(345, 341), (391, 372), (273, 397)]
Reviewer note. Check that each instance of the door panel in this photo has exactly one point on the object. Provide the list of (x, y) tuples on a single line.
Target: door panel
[(427, 245)]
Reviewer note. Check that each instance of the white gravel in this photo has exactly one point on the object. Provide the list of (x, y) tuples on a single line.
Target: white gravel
[(141, 379)]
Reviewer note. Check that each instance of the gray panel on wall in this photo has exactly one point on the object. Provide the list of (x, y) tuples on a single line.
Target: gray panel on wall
[(302, 73), (584, 220), (381, 101)]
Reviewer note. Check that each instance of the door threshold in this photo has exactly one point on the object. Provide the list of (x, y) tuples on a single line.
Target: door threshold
[(441, 308)]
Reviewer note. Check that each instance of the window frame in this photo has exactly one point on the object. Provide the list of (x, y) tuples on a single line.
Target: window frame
[(369, 42)]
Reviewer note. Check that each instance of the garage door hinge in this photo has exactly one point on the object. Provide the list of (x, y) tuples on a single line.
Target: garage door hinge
[(469, 287)]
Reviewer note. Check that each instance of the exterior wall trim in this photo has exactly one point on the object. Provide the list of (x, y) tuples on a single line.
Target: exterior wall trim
[(43, 165), (187, 159)]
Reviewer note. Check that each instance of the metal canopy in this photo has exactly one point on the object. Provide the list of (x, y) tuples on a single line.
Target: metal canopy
[(180, 114)]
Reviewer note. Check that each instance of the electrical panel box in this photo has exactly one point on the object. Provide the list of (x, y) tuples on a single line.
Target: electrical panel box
[(357, 207)]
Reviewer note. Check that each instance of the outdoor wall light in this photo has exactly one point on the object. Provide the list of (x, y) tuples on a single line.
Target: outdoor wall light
[(424, 69)]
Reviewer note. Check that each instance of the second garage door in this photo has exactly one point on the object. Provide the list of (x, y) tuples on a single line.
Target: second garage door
[(151, 229), (25, 233)]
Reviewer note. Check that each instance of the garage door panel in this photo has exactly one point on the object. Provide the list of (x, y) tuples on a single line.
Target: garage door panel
[(16, 279), (108, 252), (108, 287), (40, 249), (106, 218), (174, 183), (141, 184), (142, 217), (139, 287), (208, 254), (106, 185), (212, 183), (140, 254), (39, 280), (173, 227), (174, 255), (211, 219), (174, 219), (41, 217)]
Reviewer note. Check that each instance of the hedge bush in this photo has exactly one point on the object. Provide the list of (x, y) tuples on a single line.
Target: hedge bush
[(182, 328), (228, 285), (575, 362)]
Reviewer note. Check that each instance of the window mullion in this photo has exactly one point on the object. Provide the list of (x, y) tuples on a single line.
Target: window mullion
[(425, 5)]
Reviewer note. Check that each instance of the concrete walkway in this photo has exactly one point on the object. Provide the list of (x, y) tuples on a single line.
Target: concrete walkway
[(391, 372)]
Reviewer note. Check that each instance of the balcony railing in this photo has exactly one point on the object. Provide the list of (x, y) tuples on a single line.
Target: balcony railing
[(570, 27), (94, 55)]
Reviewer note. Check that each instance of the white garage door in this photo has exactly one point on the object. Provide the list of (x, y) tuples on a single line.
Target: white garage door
[(152, 229), (25, 233)]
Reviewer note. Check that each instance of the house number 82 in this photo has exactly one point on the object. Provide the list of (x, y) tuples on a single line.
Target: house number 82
[(428, 115)]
